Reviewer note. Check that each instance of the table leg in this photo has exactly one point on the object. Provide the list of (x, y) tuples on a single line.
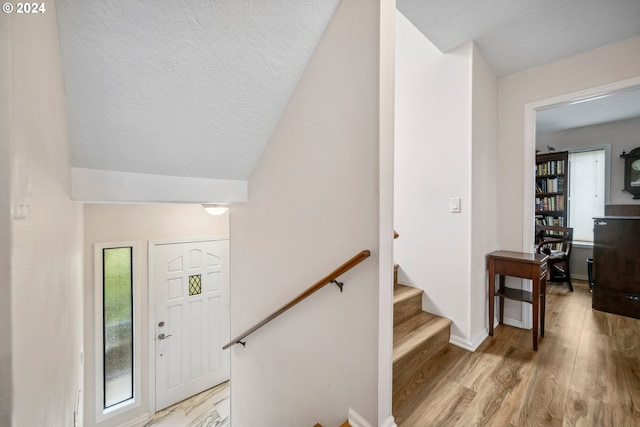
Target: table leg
[(492, 293), (502, 279), (535, 302)]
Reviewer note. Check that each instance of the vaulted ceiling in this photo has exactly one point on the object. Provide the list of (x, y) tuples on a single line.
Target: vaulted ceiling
[(190, 89), (195, 89)]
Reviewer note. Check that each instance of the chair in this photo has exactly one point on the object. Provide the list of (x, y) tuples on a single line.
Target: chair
[(556, 242)]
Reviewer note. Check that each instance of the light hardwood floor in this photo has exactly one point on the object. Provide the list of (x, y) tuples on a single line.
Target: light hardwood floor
[(586, 372)]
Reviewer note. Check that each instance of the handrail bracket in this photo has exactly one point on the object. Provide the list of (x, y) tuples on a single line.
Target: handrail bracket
[(339, 284), (244, 343)]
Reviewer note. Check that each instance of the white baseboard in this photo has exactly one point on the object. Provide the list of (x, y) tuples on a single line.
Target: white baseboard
[(514, 322), (460, 342), (357, 420), (479, 339), (389, 422), (580, 277), (467, 344)]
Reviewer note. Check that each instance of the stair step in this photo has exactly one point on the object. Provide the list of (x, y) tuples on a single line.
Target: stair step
[(404, 293), (415, 341), (415, 331), (407, 301), (417, 337)]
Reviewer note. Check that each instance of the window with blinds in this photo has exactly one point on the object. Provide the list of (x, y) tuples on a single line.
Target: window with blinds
[(586, 191)]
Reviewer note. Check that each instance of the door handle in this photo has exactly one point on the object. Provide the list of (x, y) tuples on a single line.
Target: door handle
[(163, 336)]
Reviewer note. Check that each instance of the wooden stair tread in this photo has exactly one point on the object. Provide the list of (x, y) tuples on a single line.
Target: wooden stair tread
[(414, 331), (403, 293)]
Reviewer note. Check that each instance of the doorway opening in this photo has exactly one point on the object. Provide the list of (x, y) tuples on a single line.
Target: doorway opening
[(562, 103), (531, 111)]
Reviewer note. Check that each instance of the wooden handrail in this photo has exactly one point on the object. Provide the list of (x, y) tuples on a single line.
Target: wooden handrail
[(319, 285)]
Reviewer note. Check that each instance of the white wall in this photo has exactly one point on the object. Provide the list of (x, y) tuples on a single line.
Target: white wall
[(5, 223), (484, 190), (432, 164), (313, 203), (602, 66), (623, 135), (608, 64), (46, 294), (117, 223)]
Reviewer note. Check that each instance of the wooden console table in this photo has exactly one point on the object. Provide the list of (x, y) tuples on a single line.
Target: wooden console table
[(525, 266)]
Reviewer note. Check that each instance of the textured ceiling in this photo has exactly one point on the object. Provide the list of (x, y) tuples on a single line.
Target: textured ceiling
[(515, 35), (599, 109), (195, 89), (181, 88)]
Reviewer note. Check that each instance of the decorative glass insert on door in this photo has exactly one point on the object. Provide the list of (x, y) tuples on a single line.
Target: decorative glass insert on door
[(195, 285), (118, 325)]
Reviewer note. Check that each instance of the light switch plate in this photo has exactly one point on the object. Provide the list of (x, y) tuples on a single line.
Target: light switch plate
[(20, 204), (454, 204)]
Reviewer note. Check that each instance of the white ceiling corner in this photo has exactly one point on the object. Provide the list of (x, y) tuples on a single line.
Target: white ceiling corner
[(515, 35), (177, 88)]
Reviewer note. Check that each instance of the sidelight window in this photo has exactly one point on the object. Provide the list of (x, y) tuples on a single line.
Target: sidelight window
[(117, 331), (117, 338)]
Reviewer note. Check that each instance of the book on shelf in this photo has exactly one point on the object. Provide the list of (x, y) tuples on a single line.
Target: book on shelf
[(550, 203), (550, 220), (551, 167), (550, 185)]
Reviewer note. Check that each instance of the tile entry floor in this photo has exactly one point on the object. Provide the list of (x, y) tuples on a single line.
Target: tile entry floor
[(211, 408)]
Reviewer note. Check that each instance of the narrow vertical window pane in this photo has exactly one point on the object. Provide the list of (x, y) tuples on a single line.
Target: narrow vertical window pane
[(587, 187), (118, 325)]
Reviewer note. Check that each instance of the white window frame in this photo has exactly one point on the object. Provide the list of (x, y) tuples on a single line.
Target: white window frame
[(103, 414), (607, 184)]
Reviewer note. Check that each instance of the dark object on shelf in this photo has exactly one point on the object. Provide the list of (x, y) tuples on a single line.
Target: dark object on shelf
[(590, 272), (556, 242), (632, 172)]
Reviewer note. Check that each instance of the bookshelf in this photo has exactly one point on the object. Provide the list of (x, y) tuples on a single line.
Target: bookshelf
[(552, 172)]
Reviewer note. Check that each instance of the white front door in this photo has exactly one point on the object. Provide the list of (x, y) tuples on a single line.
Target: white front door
[(191, 287)]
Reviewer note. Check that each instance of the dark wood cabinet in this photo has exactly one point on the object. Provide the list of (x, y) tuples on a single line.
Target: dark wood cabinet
[(616, 263), (552, 183)]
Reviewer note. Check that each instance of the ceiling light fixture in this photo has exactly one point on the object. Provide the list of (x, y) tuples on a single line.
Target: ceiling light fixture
[(215, 208), (589, 99)]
